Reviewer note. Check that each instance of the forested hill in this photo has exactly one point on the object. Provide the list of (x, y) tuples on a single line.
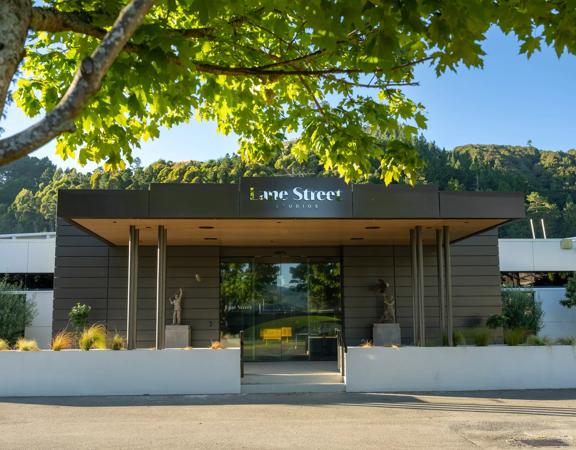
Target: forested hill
[(29, 186)]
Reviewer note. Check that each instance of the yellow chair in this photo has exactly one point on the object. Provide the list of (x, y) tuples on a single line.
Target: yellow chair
[(269, 334)]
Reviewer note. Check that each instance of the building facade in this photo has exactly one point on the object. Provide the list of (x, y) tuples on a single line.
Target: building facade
[(543, 267), (27, 263), (287, 261)]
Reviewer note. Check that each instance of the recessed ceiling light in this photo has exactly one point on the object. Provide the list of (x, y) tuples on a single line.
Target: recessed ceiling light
[(356, 238), (210, 239), (205, 227), (372, 227)]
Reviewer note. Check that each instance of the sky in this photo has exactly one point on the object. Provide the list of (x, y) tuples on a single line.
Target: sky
[(511, 101)]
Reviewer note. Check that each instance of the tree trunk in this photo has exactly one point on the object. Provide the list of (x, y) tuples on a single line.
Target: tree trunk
[(15, 16), (86, 84)]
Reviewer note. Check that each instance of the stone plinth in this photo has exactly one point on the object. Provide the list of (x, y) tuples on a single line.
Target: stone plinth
[(178, 336), (386, 334)]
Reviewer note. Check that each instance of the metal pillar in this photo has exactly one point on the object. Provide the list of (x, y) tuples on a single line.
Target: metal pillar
[(441, 284), (161, 288), (133, 241), (448, 280), (420, 260), (415, 295)]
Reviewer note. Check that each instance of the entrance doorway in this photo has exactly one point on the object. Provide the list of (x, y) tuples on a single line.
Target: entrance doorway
[(287, 309)]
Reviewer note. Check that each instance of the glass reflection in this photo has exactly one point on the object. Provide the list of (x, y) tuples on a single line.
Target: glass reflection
[(288, 310)]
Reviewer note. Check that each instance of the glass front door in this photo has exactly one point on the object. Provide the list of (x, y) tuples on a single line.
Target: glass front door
[(288, 310)]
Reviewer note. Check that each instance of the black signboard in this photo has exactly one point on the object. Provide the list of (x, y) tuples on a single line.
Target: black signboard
[(193, 200), (295, 197)]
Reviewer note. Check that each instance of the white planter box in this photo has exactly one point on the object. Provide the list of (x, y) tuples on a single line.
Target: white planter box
[(135, 372), (382, 369)]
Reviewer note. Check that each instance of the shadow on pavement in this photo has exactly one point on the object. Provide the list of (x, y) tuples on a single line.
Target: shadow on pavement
[(497, 402)]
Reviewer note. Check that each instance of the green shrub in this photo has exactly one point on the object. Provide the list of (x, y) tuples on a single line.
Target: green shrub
[(15, 312), (117, 342), (93, 337), (496, 321), (538, 340), (26, 345), (78, 315), (480, 336), (458, 338), (515, 336), (519, 310), (568, 340), (570, 300), (4, 345)]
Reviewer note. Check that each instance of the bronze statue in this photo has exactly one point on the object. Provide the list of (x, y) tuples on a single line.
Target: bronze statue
[(176, 301), (389, 314)]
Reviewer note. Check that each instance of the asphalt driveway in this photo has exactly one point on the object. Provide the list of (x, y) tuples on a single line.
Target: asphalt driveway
[(519, 419)]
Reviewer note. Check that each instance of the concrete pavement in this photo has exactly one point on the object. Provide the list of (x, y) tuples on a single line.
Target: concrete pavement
[(512, 419)]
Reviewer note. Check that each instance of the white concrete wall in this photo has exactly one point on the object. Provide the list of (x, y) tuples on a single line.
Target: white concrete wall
[(41, 327), (558, 320), (32, 255), (105, 372), (535, 255), (27, 255), (380, 369)]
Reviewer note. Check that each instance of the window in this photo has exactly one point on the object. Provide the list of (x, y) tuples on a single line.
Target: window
[(534, 279), (30, 281)]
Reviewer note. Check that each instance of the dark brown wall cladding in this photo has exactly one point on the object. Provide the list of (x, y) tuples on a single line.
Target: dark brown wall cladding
[(475, 281), (80, 274), (88, 271)]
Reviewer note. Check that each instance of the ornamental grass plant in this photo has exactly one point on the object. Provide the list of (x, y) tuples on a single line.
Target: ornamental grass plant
[(568, 340), (93, 337), (538, 340), (216, 345), (458, 338), (366, 343), (479, 336), (515, 336), (26, 345), (4, 345), (62, 341), (117, 342)]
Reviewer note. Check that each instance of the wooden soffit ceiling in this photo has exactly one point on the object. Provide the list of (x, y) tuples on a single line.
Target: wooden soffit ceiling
[(282, 232)]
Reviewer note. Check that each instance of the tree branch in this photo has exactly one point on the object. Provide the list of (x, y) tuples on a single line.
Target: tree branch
[(313, 96), (260, 71), (292, 61), (54, 21), (379, 86), (85, 85), (51, 20), (14, 21)]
